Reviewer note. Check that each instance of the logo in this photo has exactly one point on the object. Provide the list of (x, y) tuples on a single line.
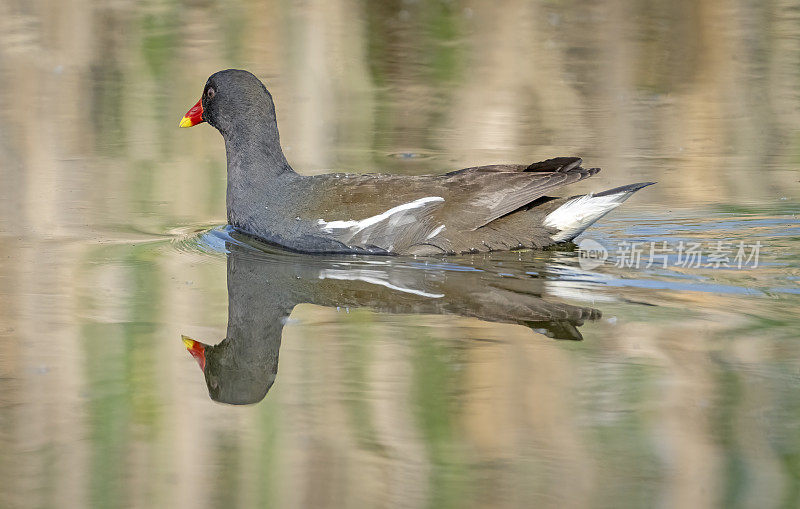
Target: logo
[(591, 254)]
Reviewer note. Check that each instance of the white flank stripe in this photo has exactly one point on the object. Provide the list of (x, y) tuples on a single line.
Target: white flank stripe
[(357, 226)]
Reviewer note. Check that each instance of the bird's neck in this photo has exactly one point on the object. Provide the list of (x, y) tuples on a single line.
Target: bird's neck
[(256, 169), (257, 309)]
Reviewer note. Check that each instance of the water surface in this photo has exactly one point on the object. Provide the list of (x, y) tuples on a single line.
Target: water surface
[(512, 379)]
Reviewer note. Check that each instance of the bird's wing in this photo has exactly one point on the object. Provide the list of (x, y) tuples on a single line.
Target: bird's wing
[(393, 212), (392, 229), (555, 164), (384, 212), (478, 196)]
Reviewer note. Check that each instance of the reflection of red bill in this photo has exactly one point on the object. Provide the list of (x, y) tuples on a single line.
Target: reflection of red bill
[(194, 116), (197, 349)]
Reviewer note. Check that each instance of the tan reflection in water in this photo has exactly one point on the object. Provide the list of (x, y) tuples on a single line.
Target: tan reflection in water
[(99, 404)]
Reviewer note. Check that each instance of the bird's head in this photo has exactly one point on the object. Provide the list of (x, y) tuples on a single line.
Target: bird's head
[(231, 98), (230, 377)]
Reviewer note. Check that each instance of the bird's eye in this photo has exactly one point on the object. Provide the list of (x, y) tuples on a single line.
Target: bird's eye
[(210, 93)]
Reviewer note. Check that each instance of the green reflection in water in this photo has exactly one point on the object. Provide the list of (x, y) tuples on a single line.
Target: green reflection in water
[(435, 391), (727, 416), (358, 329), (699, 96)]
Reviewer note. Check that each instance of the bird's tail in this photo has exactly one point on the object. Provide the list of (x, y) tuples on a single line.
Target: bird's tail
[(577, 214)]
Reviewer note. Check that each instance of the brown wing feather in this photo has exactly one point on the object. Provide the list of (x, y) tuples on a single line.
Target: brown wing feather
[(472, 198), (494, 194), (562, 164), (536, 189), (556, 164)]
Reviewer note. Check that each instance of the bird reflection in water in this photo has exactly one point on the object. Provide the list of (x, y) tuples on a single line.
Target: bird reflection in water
[(264, 287)]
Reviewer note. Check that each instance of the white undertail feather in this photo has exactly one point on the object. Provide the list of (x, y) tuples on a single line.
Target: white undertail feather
[(572, 218)]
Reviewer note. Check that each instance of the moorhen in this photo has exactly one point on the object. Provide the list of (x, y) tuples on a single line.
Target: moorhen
[(484, 208)]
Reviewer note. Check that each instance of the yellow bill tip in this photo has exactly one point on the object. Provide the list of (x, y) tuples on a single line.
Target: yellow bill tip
[(189, 342), (186, 122)]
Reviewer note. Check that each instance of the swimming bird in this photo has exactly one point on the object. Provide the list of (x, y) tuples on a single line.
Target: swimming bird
[(478, 209)]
